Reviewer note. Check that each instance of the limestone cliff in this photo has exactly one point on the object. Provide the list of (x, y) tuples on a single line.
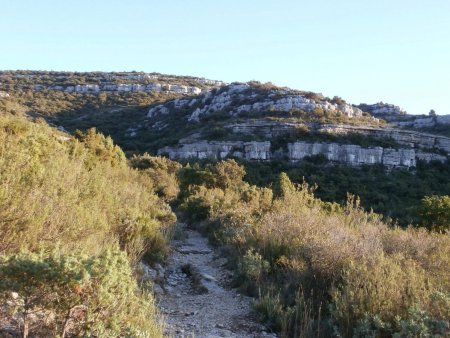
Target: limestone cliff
[(344, 153), (398, 117), (261, 113), (216, 150), (96, 82), (415, 139), (122, 88), (238, 99)]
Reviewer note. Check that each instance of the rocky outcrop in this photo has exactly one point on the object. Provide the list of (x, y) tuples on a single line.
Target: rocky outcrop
[(122, 88), (381, 108), (416, 122), (239, 98), (420, 121), (443, 119), (415, 139), (406, 137), (352, 154), (63, 80), (227, 100), (427, 157), (397, 117), (217, 150), (344, 153)]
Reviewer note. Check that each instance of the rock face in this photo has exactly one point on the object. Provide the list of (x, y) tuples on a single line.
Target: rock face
[(427, 157), (381, 108), (123, 88), (269, 129), (217, 150), (418, 121), (352, 154), (93, 82), (443, 119), (344, 153), (398, 117), (407, 137), (239, 98)]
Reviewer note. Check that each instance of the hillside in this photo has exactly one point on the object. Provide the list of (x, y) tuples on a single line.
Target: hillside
[(147, 111), (301, 196), (265, 127)]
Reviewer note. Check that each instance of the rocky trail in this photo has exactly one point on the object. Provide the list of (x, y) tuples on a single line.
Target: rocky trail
[(194, 295)]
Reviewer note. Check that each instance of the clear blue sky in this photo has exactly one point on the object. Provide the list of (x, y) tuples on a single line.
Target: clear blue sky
[(395, 51)]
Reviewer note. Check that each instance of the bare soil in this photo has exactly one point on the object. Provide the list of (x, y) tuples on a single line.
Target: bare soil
[(195, 297)]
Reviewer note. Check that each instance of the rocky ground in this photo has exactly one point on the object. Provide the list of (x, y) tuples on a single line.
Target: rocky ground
[(194, 294)]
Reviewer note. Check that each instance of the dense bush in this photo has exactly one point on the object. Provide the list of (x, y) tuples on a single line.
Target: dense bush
[(73, 214), (436, 212), (163, 173), (76, 295)]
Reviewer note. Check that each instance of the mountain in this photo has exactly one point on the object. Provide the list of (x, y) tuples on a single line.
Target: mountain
[(190, 117), (263, 122)]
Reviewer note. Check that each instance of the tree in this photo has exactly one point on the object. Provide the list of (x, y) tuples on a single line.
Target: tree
[(229, 174), (435, 212), (101, 147), (432, 113), (283, 186)]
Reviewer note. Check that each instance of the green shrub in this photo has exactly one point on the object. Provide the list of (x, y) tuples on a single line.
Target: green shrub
[(76, 196), (386, 287), (435, 212), (74, 222), (76, 295), (163, 173)]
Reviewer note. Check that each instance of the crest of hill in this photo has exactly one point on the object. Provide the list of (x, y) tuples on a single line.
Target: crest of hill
[(96, 82), (244, 99), (210, 115)]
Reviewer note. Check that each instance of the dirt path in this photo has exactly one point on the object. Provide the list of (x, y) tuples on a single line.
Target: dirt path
[(196, 301)]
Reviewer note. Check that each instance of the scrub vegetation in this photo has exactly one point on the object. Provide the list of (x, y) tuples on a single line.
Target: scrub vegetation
[(75, 220), (323, 269)]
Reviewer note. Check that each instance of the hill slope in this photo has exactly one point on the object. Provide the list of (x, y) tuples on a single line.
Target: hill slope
[(268, 128)]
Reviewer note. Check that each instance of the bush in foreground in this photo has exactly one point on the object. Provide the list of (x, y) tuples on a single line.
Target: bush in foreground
[(74, 222)]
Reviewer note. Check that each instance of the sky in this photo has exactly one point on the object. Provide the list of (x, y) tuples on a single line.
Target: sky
[(395, 51)]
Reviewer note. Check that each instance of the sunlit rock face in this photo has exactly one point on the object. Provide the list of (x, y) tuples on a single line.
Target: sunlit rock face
[(381, 108), (219, 150), (235, 100), (398, 117), (410, 138), (402, 136), (241, 98), (349, 154), (353, 155), (123, 88)]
